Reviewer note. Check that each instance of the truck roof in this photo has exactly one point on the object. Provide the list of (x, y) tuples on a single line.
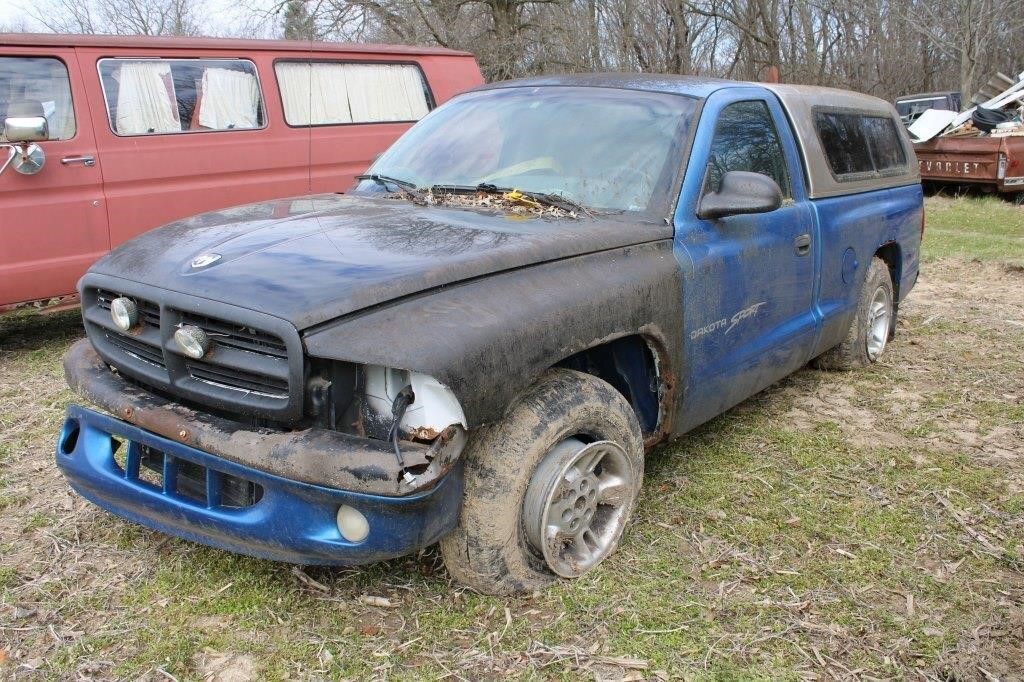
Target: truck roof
[(176, 43), (800, 103), (692, 86), (927, 95)]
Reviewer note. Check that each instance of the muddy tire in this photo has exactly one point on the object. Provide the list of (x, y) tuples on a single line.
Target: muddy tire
[(517, 484), (872, 324)]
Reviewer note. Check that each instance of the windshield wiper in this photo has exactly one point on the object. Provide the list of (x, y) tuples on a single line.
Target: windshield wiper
[(386, 180), (404, 186), (548, 199)]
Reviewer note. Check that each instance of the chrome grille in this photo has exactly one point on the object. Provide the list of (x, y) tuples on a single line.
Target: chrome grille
[(237, 379), (251, 370), (238, 336), (135, 348)]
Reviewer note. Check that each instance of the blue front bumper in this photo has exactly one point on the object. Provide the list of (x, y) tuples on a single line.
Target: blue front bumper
[(284, 520)]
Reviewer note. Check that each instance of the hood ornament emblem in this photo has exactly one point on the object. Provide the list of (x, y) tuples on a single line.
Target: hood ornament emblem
[(202, 260)]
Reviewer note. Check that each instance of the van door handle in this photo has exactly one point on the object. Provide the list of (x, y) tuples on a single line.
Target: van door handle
[(802, 244), (86, 160)]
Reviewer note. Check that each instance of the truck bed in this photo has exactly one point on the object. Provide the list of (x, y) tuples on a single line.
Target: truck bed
[(994, 161)]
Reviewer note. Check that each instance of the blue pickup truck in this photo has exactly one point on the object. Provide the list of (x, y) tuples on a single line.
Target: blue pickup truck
[(477, 344)]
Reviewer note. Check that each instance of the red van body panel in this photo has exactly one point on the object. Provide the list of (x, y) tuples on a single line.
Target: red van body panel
[(54, 224)]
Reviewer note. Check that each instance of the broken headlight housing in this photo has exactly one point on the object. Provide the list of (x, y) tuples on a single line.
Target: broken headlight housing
[(361, 400)]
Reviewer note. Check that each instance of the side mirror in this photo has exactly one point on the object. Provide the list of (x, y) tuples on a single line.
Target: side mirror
[(741, 192), (19, 129)]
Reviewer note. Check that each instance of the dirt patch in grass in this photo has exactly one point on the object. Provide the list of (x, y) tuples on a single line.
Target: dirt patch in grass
[(838, 525)]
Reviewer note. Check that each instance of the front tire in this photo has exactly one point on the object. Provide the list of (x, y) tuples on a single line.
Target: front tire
[(872, 324), (549, 488)]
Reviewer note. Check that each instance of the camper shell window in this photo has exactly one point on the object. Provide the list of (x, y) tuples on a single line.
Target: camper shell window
[(859, 146)]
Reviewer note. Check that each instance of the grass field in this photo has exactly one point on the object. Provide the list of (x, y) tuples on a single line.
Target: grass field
[(855, 525), (985, 228)]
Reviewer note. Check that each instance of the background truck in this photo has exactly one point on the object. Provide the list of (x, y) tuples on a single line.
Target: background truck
[(994, 163)]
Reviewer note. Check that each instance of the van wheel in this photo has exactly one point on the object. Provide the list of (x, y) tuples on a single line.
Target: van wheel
[(548, 489), (872, 324)]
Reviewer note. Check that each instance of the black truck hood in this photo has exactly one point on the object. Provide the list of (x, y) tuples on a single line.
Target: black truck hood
[(312, 259)]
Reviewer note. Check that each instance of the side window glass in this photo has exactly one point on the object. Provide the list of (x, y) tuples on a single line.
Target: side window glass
[(843, 142), (159, 96), (331, 93), (884, 143), (37, 86), (858, 144), (746, 140)]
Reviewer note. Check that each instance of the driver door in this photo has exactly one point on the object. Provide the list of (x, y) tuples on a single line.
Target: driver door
[(749, 280), (53, 224)]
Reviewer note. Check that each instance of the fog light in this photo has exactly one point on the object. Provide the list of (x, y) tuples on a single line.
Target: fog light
[(353, 525), (124, 312), (192, 341)]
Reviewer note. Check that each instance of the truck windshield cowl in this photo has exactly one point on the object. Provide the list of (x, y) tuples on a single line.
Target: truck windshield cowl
[(602, 148)]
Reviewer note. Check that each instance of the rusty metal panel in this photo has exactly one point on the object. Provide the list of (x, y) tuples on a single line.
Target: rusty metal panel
[(988, 160), (958, 167)]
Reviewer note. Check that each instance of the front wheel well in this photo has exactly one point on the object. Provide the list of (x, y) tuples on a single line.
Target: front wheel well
[(629, 364)]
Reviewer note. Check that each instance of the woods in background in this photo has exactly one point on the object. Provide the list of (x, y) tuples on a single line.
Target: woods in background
[(880, 47)]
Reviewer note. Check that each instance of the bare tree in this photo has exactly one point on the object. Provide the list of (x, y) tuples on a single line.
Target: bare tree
[(969, 32), (298, 22), (883, 47), (123, 17), (18, 26)]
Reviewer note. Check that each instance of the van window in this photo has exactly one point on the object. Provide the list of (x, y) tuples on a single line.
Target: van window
[(856, 144), (332, 93), (157, 96), (746, 140), (37, 86)]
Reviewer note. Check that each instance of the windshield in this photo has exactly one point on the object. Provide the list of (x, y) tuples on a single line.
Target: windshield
[(602, 148)]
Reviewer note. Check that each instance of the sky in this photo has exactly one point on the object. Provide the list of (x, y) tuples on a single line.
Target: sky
[(219, 15)]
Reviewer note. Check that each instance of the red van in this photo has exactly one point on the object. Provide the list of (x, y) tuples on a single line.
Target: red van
[(141, 131)]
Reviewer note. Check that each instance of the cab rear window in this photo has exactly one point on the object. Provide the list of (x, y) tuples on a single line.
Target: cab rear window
[(859, 145)]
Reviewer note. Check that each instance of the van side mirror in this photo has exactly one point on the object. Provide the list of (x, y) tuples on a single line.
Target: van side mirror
[(741, 192), (19, 129), (21, 134)]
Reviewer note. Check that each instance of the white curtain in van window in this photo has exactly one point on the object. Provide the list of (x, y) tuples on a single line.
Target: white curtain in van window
[(385, 92), (230, 99), (314, 93), (144, 104)]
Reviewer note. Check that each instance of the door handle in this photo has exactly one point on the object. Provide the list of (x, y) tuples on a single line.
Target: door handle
[(84, 159), (802, 244)]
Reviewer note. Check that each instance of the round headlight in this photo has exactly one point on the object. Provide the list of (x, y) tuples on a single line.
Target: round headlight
[(192, 341), (352, 524), (124, 312)]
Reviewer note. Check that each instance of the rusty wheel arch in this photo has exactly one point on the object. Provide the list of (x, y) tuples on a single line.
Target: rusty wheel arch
[(890, 253)]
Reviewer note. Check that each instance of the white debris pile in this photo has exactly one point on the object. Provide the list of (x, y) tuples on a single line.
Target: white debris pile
[(996, 113)]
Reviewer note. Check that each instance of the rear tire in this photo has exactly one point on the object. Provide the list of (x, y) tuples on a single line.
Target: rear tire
[(871, 327), (538, 477)]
